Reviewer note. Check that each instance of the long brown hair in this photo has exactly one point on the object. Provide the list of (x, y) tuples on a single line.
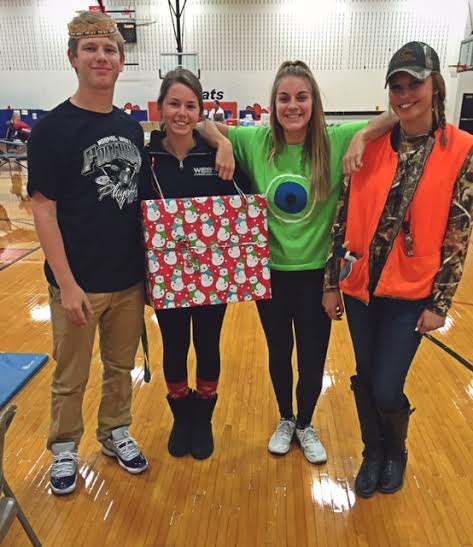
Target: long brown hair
[(438, 104), (316, 150)]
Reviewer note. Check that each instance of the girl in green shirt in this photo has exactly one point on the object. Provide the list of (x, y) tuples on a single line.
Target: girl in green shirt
[(297, 163)]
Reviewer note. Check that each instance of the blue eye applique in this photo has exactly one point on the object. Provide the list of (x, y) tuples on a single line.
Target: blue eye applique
[(289, 199)]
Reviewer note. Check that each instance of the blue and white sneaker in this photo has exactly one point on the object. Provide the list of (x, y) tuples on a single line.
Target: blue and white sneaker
[(124, 448), (63, 477)]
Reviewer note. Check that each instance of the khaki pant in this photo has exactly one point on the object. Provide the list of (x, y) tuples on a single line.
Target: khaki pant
[(119, 316)]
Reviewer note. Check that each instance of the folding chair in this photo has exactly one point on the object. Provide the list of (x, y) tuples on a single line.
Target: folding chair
[(9, 506), (13, 152), (11, 132)]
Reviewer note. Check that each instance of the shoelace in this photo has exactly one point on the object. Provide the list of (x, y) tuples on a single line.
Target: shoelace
[(307, 435), (64, 464), (127, 447), (285, 427)]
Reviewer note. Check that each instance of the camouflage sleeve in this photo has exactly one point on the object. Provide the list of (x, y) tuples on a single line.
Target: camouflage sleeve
[(332, 267), (455, 243)]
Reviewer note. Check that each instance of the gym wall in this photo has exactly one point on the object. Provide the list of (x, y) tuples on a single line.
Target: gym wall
[(240, 43)]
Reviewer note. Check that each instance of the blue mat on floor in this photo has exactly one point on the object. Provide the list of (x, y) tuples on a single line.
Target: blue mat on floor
[(15, 370)]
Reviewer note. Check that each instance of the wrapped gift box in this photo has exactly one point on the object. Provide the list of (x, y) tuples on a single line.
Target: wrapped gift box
[(206, 250)]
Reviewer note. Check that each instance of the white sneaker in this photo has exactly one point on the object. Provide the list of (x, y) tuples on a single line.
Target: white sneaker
[(313, 448), (280, 441)]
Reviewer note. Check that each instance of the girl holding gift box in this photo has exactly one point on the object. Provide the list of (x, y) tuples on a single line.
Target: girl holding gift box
[(297, 163), (183, 164), (407, 216)]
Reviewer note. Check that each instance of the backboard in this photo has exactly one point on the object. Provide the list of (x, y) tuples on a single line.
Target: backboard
[(171, 61)]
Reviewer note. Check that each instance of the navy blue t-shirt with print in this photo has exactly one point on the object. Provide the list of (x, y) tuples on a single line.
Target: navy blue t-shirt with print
[(89, 163)]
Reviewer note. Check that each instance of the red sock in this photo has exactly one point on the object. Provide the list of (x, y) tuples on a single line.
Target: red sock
[(206, 389), (178, 390)]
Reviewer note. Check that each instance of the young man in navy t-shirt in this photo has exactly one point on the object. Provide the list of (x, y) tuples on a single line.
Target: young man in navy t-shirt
[(84, 159)]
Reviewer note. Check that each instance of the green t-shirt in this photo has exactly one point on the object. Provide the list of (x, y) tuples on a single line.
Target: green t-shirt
[(299, 227)]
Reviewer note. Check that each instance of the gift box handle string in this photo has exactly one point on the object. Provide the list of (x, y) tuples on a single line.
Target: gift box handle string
[(157, 187)]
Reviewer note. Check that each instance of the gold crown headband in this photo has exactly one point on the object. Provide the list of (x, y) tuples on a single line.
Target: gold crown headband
[(103, 28)]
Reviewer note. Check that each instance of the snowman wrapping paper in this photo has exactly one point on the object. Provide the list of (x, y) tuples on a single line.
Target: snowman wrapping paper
[(206, 250)]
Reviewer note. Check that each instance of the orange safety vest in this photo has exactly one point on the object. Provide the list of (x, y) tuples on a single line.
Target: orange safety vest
[(403, 276)]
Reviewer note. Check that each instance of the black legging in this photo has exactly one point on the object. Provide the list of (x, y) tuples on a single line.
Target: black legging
[(297, 299), (175, 330)]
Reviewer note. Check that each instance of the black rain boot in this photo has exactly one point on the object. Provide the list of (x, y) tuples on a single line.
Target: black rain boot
[(394, 427), (202, 444), (179, 443), (368, 476)]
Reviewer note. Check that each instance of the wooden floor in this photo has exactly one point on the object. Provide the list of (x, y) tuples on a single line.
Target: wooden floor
[(242, 495)]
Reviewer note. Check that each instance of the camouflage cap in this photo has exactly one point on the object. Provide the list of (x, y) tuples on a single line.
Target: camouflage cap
[(416, 58)]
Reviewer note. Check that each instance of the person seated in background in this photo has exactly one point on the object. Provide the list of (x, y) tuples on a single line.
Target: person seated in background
[(19, 129), (216, 113)]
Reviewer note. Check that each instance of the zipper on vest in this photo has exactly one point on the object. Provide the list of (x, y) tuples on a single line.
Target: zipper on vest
[(181, 162)]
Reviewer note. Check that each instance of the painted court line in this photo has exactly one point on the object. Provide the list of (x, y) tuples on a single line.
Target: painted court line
[(450, 351), (12, 257), (463, 303)]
